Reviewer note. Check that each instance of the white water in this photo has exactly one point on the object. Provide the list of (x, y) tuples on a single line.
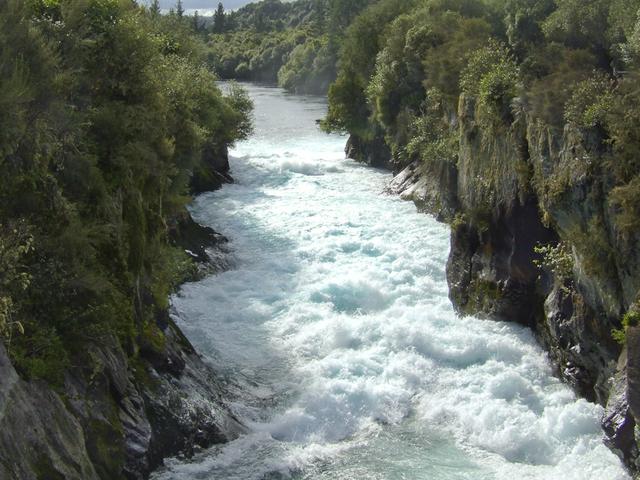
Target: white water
[(335, 324)]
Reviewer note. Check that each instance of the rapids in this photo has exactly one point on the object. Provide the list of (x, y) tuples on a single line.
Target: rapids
[(337, 338)]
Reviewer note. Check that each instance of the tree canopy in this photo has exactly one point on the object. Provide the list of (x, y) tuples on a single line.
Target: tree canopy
[(106, 112)]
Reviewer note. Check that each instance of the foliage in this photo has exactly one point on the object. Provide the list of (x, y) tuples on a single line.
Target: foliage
[(15, 244), (554, 62), (308, 68), (270, 15), (630, 319), (554, 70), (239, 113), (362, 42), (293, 43), (621, 125), (492, 76), (250, 55), (522, 20), (558, 260), (590, 101), (219, 19), (601, 26), (444, 62), (432, 139), (627, 199), (106, 111)]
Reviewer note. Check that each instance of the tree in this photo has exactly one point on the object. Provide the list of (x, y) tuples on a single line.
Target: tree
[(179, 9), (218, 19), (155, 8), (196, 22), (91, 178)]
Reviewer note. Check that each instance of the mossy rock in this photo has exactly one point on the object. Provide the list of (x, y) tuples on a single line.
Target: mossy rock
[(484, 295), (45, 470), (106, 446)]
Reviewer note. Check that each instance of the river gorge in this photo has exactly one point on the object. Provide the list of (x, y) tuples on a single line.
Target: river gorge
[(334, 331)]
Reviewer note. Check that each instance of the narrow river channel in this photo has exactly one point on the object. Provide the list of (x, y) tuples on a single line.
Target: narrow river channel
[(334, 326)]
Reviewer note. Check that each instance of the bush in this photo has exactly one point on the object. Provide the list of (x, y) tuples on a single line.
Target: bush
[(626, 199), (590, 102), (432, 138), (630, 319), (15, 243), (492, 75), (558, 260)]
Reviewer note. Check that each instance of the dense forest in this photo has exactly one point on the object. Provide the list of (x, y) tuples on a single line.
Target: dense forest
[(294, 44), (106, 114)]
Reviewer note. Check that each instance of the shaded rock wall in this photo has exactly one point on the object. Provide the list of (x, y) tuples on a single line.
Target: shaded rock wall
[(39, 437), (525, 185), (372, 152), (213, 171)]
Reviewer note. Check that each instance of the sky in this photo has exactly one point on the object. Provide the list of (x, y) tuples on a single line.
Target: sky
[(204, 7)]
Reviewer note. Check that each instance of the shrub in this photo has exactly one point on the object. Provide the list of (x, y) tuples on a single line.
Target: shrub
[(15, 243), (590, 102), (432, 138), (630, 319), (555, 71), (492, 75), (626, 199), (558, 260)]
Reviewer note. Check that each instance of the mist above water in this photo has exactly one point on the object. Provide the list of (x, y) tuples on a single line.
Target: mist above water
[(336, 334)]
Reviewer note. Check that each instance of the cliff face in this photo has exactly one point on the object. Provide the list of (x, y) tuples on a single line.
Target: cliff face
[(213, 171), (121, 416), (118, 421), (374, 152), (534, 241)]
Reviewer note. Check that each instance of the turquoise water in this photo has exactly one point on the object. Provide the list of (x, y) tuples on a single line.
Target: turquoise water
[(335, 330)]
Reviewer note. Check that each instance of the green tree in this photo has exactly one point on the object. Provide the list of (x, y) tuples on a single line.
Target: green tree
[(197, 26), (348, 108), (219, 19), (155, 8)]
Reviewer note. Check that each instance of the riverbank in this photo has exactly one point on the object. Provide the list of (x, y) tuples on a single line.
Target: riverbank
[(125, 416)]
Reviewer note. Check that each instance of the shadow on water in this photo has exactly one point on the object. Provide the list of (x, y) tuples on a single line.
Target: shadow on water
[(225, 315)]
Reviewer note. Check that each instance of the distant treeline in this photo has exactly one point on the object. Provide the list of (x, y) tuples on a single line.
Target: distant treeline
[(295, 44)]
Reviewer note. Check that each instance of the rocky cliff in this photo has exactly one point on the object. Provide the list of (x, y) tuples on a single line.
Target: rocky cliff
[(534, 241), (121, 416)]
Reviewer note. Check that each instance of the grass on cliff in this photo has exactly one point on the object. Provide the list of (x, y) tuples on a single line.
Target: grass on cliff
[(630, 319)]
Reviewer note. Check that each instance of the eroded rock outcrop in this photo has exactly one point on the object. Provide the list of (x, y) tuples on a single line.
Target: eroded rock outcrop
[(213, 171), (39, 437), (372, 152)]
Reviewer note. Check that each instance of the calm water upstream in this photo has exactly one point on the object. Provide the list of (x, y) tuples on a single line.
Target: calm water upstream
[(334, 323)]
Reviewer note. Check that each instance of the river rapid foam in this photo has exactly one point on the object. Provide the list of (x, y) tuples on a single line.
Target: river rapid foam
[(335, 331)]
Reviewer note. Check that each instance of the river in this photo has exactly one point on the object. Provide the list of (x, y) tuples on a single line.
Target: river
[(334, 329)]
